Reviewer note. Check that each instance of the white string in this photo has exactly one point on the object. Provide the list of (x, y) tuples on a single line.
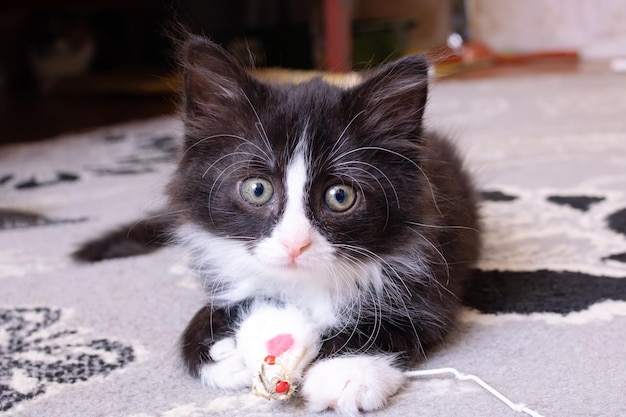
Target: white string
[(520, 408)]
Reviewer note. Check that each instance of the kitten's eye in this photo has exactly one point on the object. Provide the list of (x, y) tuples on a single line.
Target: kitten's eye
[(257, 191), (339, 197)]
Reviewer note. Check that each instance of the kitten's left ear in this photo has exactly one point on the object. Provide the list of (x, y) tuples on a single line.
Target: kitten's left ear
[(393, 97)]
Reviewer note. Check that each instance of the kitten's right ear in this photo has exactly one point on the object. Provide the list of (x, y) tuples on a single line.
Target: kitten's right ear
[(213, 80)]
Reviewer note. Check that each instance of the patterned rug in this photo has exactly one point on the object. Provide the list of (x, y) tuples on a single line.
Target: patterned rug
[(545, 323)]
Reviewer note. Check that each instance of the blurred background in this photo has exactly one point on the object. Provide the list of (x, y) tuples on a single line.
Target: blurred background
[(72, 64)]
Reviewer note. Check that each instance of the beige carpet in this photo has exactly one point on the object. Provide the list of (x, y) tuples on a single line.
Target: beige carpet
[(546, 325)]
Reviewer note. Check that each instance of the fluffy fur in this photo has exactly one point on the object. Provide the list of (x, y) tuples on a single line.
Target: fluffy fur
[(379, 282), (331, 207)]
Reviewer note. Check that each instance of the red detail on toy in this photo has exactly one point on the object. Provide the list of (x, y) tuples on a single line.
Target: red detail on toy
[(282, 387), (279, 344), (270, 360)]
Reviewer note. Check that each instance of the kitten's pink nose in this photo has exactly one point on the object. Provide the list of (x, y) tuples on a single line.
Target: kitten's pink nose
[(295, 245)]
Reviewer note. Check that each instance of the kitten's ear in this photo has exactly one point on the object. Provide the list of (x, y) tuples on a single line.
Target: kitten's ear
[(393, 98), (214, 81)]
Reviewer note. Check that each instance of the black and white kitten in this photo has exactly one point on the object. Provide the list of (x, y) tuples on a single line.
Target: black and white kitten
[(331, 231)]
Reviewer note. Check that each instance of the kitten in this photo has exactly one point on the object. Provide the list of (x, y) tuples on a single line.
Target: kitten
[(333, 233)]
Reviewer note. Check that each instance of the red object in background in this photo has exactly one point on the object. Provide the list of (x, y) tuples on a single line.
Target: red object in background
[(337, 35), (477, 56)]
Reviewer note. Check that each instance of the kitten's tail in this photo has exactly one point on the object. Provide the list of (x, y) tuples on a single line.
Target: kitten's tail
[(138, 238)]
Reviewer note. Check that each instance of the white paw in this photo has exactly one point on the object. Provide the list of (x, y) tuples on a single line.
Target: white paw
[(228, 371), (288, 337), (222, 349), (351, 384)]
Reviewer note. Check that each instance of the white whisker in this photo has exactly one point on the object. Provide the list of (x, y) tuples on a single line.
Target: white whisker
[(433, 226), (415, 164), (335, 147), (219, 180), (443, 258), (224, 157), (226, 135), (379, 184), (259, 124), (373, 297)]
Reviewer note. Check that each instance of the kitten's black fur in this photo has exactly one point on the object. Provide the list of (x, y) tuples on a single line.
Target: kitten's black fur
[(416, 210)]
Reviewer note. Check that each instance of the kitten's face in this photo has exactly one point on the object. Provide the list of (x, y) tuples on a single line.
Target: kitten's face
[(302, 186)]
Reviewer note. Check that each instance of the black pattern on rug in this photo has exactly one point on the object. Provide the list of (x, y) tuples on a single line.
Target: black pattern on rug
[(617, 221), (19, 219), (151, 152), (36, 352), (59, 177), (5, 178), (549, 290), (543, 291), (494, 195), (580, 202)]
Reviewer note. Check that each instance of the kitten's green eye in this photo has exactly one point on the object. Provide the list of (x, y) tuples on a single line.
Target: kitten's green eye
[(339, 197), (257, 191)]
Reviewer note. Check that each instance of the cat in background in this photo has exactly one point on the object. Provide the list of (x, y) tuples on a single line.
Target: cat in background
[(62, 45), (331, 230)]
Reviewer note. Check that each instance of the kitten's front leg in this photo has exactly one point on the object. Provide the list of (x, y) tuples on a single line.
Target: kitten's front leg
[(351, 383), (232, 349), (210, 351), (279, 343)]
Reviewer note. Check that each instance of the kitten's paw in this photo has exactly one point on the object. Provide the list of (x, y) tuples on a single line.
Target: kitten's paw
[(229, 370), (279, 343), (223, 349), (351, 384)]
